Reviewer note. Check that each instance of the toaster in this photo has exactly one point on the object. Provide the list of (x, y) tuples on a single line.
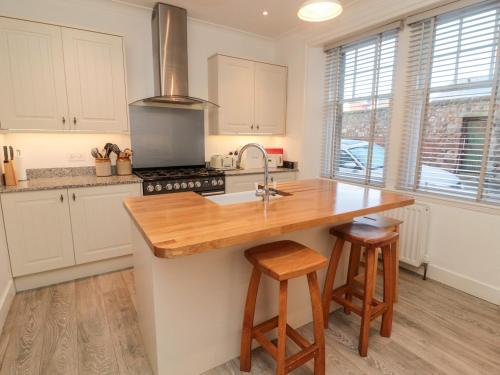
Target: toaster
[(222, 161)]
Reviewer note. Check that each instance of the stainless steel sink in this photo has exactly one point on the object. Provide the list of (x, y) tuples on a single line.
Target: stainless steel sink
[(241, 197)]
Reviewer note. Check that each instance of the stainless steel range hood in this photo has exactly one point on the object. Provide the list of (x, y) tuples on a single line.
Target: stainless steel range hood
[(170, 59)]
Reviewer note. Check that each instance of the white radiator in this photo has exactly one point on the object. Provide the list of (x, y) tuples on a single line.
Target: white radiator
[(413, 232)]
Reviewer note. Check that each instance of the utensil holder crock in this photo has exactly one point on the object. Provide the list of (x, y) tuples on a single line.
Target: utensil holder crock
[(123, 166), (102, 167)]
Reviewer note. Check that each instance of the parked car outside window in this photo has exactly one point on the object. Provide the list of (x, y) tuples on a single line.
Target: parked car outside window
[(354, 157)]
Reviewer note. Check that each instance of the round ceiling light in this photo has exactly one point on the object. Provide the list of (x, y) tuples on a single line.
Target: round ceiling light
[(319, 10)]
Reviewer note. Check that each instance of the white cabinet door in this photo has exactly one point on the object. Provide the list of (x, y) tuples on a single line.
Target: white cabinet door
[(270, 98), (236, 184), (32, 81), (236, 96), (95, 76), (38, 229), (101, 226)]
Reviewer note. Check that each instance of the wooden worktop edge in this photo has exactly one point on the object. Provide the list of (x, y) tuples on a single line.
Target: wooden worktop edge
[(162, 250)]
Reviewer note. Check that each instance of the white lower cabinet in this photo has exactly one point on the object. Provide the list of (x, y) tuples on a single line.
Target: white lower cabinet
[(101, 226), (38, 229), (47, 230), (237, 183)]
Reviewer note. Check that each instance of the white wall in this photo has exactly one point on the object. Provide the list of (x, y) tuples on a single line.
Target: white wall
[(53, 150), (463, 246)]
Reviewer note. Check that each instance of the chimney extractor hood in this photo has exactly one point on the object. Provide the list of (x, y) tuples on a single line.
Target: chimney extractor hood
[(170, 60)]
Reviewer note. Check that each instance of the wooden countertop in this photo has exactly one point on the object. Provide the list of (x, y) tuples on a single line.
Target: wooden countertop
[(183, 224)]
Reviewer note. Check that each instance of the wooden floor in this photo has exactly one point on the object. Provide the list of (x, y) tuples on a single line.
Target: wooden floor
[(90, 327)]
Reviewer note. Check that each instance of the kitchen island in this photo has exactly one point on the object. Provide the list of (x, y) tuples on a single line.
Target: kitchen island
[(191, 274)]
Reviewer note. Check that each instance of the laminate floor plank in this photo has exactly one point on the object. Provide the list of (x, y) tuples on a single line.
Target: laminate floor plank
[(59, 354), (122, 319), (128, 276), (90, 327), (96, 355), (23, 355)]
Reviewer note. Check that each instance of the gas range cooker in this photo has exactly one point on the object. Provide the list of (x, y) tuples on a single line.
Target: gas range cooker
[(204, 181)]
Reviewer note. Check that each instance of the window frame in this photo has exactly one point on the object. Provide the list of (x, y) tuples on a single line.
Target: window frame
[(424, 92), (335, 101)]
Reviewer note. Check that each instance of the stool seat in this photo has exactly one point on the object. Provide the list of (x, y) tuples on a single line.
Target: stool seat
[(364, 234), (283, 260), (378, 221)]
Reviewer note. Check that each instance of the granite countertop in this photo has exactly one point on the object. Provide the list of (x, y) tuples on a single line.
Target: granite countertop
[(64, 182), (238, 172)]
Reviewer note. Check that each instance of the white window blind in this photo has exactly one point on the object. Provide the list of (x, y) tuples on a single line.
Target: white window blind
[(359, 85), (451, 142)]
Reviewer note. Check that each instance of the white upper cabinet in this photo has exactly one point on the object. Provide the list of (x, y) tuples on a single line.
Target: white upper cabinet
[(251, 96), (38, 229), (95, 77), (101, 226), (32, 82), (58, 78), (270, 99)]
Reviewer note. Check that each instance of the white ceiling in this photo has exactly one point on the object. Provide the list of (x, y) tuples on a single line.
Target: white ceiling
[(245, 14)]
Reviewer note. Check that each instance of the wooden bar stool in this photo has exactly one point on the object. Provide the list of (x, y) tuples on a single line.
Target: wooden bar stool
[(284, 260), (371, 238), (388, 223)]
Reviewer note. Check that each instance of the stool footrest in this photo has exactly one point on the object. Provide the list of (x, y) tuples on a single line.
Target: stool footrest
[(267, 325), (378, 307), (298, 359), (307, 352), (297, 338)]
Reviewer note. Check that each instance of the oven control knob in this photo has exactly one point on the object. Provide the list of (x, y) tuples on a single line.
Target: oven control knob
[(184, 185), (197, 184), (214, 182), (177, 186), (191, 184), (168, 186), (150, 188), (158, 187), (220, 182)]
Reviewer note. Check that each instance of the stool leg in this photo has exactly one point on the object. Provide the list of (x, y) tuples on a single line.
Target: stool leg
[(319, 334), (352, 272), (280, 359), (396, 266), (389, 255), (330, 278), (375, 274), (367, 302), (246, 335)]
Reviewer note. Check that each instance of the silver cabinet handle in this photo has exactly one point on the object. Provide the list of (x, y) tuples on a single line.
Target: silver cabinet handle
[(74, 121), (258, 127), (251, 127), (61, 198), (74, 197), (64, 120)]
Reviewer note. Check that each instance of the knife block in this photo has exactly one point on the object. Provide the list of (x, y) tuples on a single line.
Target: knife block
[(10, 173)]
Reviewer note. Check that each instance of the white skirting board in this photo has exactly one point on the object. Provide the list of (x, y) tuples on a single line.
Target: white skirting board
[(464, 283), (6, 299), (72, 273)]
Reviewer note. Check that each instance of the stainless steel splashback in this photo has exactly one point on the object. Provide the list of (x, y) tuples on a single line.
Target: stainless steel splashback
[(166, 137)]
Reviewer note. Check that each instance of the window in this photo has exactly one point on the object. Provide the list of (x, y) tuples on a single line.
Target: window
[(452, 126), (359, 82)]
